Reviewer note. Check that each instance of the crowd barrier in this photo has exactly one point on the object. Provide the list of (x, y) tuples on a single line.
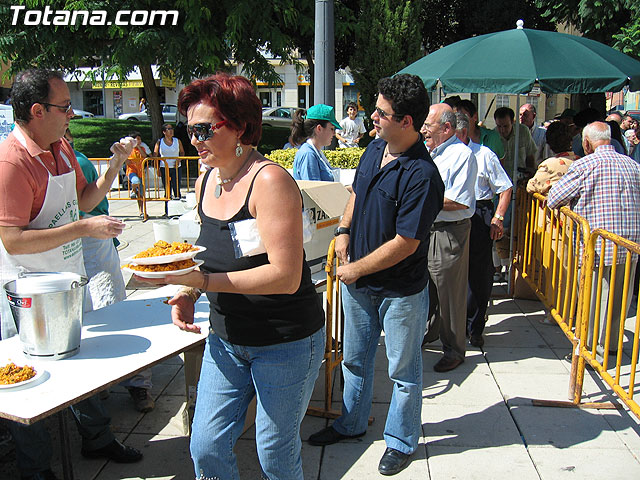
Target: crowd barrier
[(556, 256), (334, 322), (605, 316), (155, 181)]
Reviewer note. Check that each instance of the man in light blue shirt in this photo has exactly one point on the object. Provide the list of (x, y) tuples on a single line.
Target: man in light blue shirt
[(449, 240)]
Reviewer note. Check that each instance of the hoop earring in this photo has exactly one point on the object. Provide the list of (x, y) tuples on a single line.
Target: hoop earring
[(239, 149)]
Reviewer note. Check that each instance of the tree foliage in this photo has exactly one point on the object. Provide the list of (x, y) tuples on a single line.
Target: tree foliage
[(207, 37), (387, 38), (628, 40), (596, 19), (448, 21)]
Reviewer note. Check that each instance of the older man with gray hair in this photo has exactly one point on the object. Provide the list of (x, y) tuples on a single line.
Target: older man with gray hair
[(448, 261), (604, 188)]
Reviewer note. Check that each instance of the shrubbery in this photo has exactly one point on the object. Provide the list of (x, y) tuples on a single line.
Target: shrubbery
[(340, 158)]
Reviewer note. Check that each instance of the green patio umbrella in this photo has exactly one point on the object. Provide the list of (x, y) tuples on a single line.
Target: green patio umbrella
[(512, 61)]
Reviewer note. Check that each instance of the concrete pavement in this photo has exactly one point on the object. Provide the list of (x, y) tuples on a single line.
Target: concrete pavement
[(478, 421)]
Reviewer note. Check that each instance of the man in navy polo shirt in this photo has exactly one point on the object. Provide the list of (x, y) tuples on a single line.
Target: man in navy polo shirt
[(382, 243)]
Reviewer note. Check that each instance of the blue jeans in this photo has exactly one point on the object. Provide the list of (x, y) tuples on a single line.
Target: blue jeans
[(403, 320), (281, 376)]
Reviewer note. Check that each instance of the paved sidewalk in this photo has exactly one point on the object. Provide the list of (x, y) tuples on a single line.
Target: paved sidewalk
[(478, 421)]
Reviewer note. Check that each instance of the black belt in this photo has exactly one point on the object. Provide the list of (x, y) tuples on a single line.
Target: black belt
[(446, 224), (484, 202)]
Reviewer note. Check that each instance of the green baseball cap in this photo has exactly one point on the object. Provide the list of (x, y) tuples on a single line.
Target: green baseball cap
[(323, 112)]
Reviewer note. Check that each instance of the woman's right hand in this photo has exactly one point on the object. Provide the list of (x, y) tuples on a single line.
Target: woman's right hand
[(182, 312)]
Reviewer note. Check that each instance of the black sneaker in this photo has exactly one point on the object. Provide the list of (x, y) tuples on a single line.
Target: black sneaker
[(115, 451)]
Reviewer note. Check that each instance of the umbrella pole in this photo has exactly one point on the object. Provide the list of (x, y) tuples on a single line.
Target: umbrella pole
[(513, 196)]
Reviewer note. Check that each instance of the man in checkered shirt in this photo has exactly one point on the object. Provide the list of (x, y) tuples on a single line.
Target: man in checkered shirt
[(604, 188)]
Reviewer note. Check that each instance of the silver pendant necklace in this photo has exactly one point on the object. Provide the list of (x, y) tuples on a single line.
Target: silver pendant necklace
[(223, 181)]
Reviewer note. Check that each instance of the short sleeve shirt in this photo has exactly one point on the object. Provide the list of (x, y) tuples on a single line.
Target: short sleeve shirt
[(458, 168), (492, 179), (402, 198), (23, 179), (350, 130), (134, 162)]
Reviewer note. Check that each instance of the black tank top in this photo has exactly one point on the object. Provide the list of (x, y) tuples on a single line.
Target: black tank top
[(253, 320)]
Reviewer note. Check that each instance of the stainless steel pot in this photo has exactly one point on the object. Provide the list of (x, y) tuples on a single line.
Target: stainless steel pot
[(47, 309)]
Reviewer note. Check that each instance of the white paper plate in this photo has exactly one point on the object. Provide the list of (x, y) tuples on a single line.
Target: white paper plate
[(39, 373), (176, 257), (164, 274)]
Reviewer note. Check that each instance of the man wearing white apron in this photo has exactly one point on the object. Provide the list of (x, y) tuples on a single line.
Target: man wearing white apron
[(41, 190)]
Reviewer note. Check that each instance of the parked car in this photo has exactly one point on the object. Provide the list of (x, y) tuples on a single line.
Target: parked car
[(277, 116), (169, 112), (81, 114)]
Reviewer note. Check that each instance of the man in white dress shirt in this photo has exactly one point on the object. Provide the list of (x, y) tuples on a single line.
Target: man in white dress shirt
[(448, 261)]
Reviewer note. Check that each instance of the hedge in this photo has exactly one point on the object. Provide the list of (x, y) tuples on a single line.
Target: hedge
[(340, 158)]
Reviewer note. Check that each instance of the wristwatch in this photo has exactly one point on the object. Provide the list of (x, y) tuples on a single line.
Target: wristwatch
[(341, 231), (499, 217)]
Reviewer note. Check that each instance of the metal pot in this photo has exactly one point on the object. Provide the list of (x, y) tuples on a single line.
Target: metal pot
[(47, 310)]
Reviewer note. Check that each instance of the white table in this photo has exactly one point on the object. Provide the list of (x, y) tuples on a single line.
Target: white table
[(118, 341)]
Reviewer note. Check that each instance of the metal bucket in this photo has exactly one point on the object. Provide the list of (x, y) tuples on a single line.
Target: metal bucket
[(47, 309)]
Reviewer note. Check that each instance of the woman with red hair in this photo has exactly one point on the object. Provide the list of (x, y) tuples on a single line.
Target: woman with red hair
[(267, 323)]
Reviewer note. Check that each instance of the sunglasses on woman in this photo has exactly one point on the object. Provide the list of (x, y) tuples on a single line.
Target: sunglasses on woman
[(204, 131)]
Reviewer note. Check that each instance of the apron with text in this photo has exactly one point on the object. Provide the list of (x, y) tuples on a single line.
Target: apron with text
[(60, 207)]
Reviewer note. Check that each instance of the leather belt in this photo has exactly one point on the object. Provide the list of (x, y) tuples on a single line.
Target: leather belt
[(446, 224)]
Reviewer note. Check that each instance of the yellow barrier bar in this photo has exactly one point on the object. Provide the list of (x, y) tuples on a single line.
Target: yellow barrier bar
[(548, 256), (157, 193), (587, 354), (634, 355), (334, 324)]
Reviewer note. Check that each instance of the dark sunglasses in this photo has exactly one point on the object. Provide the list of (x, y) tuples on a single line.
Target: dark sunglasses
[(64, 108), (204, 131), (383, 114)]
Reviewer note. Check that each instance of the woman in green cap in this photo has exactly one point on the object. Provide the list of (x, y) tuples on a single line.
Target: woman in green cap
[(312, 131)]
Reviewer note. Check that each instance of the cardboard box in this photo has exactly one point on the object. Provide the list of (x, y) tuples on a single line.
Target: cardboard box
[(324, 202)]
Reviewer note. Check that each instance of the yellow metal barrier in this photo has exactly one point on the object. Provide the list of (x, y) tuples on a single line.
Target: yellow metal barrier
[(555, 253), (593, 348), (334, 322), (550, 244), (155, 169)]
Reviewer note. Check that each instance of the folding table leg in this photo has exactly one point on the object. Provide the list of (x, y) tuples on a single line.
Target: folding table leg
[(67, 466)]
